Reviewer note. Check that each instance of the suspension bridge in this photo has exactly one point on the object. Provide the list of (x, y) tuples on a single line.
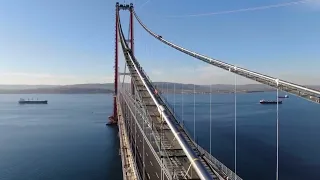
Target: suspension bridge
[(153, 142)]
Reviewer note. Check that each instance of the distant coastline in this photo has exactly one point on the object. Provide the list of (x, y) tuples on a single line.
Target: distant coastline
[(164, 87)]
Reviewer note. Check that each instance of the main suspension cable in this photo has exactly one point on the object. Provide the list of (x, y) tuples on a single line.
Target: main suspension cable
[(301, 91)]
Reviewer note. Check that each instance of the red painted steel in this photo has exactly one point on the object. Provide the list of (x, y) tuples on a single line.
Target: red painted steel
[(114, 118), (131, 40)]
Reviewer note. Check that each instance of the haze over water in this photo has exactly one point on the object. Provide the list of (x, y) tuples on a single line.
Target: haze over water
[(67, 139)]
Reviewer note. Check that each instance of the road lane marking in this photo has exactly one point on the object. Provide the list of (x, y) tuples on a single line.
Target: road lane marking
[(157, 175), (148, 175), (147, 154), (151, 163)]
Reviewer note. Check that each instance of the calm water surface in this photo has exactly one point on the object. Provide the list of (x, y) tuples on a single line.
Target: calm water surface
[(299, 124), (67, 139), (64, 140)]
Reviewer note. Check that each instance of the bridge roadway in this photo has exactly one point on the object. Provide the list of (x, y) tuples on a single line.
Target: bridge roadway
[(154, 131), (170, 151), (139, 140), (152, 167), (166, 139)]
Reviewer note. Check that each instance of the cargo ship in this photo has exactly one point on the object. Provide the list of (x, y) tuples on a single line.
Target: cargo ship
[(270, 102), (285, 96), (22, 101)]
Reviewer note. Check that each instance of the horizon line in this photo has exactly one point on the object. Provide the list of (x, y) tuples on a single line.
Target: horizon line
[(129, 83)]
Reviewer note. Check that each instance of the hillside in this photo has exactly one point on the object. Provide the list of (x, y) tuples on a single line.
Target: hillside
[(108, 88), (67, 89)]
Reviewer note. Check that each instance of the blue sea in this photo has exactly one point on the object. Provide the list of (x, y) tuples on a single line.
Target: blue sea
[(64, 140), (67, 139)]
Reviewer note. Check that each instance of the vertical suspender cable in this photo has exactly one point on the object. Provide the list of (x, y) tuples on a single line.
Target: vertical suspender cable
[(277, 170), (167, 90), (174, 98), (235, 123), (194, 114), (210, 118), (143, 151), (162, 90), (182, 106)]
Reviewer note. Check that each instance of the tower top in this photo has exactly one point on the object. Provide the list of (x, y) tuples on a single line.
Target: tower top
[(124, 6)]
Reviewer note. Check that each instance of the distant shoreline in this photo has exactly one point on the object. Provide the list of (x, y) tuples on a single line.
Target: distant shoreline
[(109, 92), (164, 87)]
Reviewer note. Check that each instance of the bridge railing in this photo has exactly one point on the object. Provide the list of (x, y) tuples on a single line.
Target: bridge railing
[(147, 118), (143, 110), (218, 165), (135, 168), (138, 116), (154, 133)]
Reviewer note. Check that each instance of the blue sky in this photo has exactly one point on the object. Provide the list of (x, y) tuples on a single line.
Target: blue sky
[(72, 41)]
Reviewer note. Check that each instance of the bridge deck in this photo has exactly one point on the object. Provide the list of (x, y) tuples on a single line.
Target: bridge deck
[(170, 151)]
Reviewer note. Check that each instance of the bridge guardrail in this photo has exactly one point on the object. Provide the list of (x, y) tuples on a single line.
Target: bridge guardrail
[(218, 164), (140, 116), (147, 118), (154, 133), (135, 165)]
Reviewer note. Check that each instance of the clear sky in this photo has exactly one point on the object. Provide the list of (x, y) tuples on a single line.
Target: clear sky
[(72, 41)]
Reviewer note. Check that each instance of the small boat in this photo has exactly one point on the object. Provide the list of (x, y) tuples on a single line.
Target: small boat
[(270, 102), (22, 101), (285, 96)]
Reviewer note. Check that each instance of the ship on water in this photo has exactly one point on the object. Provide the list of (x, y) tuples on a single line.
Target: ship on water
[(285, 96), (270, 102), (23, 101)]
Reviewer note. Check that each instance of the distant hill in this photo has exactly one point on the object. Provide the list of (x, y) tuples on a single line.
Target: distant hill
[(56, 89), (213, 86), (14, 87), (91, 86), (221, 88), (108, 88)]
